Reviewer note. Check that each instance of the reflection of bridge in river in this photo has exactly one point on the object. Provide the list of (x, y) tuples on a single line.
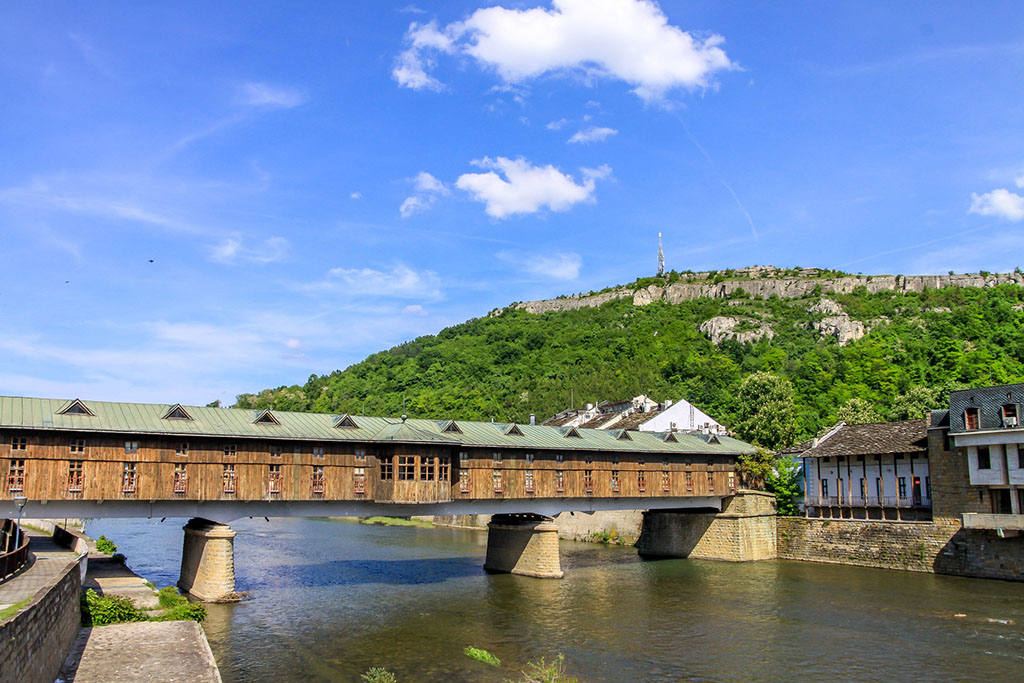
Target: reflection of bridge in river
[(71, 458)]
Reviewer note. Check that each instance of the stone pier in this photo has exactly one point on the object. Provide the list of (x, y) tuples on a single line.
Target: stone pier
[(523, 544), (744, 530), (208, 561)]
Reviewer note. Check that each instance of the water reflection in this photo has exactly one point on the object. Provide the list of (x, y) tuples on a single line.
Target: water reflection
[(330, 599)]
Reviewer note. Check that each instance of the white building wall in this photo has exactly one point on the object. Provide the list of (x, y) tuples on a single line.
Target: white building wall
[(851, 471), (681, 416), (995, 474)]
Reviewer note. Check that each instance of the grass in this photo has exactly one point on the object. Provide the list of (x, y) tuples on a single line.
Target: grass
[(397, 521), (13, 609)]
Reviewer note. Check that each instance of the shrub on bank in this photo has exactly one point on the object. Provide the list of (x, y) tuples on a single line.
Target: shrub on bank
[(106, 546), (100, 610)]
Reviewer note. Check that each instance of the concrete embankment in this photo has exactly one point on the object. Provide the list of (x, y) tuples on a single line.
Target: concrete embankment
[(612, 526)]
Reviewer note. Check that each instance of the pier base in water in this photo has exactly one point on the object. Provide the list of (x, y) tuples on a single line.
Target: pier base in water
[(523, 544), (208, 561)]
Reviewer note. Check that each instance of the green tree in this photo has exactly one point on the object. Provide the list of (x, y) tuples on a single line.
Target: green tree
[(755, 468), (858, 411), (784, 482), (914, 404), (766, 411)]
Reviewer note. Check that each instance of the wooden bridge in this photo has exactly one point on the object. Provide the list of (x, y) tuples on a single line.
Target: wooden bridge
[(75, 458)]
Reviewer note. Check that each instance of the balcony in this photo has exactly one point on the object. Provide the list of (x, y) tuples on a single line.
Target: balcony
[(859, 502)]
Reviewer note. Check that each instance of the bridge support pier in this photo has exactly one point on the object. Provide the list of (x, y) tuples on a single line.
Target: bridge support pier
[(523, 544), (208, 561)]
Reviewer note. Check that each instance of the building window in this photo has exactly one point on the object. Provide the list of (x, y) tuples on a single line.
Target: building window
[(16, 476), (387, 472), (406, 467), (559, 481), (588, 481), (641, 481), (824, 488), (359, 480), (928, 487), (902, 484), (615, 481), (559, 457), (426, 469), (464, 481), (711, 481), (230, 451), (463, 457), (181, 449), (129, 478), (529, 458), (1010, 415), (318, 451), (863, 488), (947, 442), (444, 467), (19, 443), (131, 447), (275, 451), (984, 458), (689, 481), (732, 481), (497, 457), (878, 488), (529, 481), (229, 478), (180, 478), (318, 480), (274, 479), (360, 455), (75, 476), (496, 476), (78, 446), (972, 419)]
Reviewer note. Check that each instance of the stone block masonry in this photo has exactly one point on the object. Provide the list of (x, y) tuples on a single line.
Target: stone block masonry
[(523, 545), (208, 561)]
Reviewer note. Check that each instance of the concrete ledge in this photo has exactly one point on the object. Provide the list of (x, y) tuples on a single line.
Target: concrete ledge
[(980, 520)]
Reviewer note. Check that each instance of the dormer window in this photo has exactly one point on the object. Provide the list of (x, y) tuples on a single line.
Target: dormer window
[(1010, 415), (972, 419), (176, 412), (345, 422), (266, 418), (76, 407)]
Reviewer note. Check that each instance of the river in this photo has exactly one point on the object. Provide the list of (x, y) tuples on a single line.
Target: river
[(328, 599)]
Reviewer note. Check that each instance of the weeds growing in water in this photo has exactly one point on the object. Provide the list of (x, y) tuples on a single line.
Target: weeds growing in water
[(378, 674), (481, 656)]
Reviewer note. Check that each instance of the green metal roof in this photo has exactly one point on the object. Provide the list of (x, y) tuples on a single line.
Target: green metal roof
[(148, 418)]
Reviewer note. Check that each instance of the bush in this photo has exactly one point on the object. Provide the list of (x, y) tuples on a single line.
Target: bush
[(99, 610), (177, 607), (170, 597), (378, 674), (106, 546)]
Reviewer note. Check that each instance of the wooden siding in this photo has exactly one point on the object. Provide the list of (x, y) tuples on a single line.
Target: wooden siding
[(48, 454)]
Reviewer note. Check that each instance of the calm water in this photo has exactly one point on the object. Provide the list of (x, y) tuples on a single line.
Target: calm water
[(329, 599)]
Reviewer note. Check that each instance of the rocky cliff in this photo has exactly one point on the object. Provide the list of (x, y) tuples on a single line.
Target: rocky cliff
[(766, 282)]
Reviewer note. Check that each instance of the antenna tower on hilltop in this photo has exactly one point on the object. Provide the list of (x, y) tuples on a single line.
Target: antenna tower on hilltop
[(661, 258)]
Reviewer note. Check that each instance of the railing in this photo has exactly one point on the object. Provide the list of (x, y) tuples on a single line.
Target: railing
[(859, 502), (12, 558)]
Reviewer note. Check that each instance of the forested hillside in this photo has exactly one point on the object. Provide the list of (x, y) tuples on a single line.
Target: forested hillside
[(510, 364)]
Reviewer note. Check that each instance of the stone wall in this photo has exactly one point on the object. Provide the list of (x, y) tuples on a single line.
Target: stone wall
[(744, 530), (208, 561), (941, 546), (34, 641), (528, 547)]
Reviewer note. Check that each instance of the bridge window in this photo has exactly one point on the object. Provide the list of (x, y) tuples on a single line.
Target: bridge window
[(274, 479), (230, 451), (78, 446), (641, 480), (16, 476), (732, 483), (19, 443), (387, 472), (666, 480), (444, 469), (463, 481), (588, 481), (689, 481), (426, 468), (318, 451), (131, 447), (318, 480), (129, 478), (496, 475), (711, 481), (229, 478), (615, 481), (359, 481), (275, 451), (559, 457), (972, 419), (529, 481), (75, 476), (559, 481), (463, 456), (360, 455), (588, 458), (497, 457), (984, 458), (181, 449), (406, 467), (180, 478), (529, 458)]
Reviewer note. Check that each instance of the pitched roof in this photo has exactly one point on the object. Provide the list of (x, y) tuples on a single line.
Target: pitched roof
[(635, 420), (873, 438), (148, 418), (990, 401)]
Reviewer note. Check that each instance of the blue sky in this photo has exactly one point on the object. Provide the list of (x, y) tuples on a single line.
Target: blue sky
[(197, 200)]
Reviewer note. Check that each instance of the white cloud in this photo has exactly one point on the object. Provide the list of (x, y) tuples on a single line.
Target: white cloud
[(557, 266), (401, 282), (627, 40), (254, 94), (593, 134), (428, 189), (292, 343), (356, 195), (557, 125), (1019, 182), (414, 309), (526, 188), (1000, 202), (232, 249)]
